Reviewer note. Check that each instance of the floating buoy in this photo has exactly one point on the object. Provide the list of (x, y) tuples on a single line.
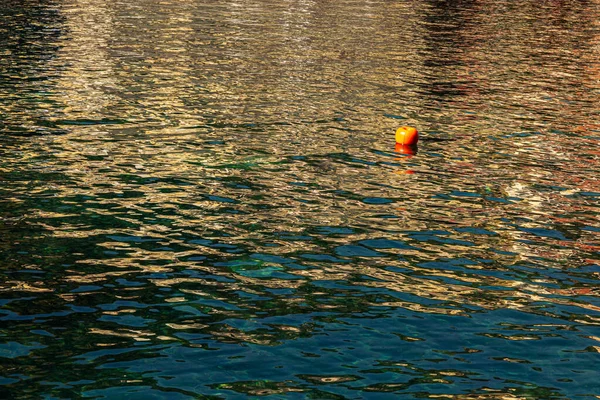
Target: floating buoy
[(407, 135)]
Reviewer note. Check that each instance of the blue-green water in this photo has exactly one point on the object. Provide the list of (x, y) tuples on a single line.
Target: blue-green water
[(203, 199)]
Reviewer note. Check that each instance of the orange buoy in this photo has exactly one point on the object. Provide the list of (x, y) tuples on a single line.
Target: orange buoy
[(407, 135)]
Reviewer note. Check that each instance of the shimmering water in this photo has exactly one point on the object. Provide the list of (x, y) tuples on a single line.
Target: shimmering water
[(203, 200)]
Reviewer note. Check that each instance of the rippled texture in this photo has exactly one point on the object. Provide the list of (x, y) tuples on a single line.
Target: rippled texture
[(202, 199)]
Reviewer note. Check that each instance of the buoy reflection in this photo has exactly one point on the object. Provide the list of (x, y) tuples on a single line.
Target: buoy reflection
[(409, 150)]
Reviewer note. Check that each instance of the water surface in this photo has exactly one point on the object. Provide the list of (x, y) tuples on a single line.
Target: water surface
[(203, 199)]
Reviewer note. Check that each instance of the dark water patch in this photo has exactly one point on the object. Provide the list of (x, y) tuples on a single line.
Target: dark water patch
[(103, 121)]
